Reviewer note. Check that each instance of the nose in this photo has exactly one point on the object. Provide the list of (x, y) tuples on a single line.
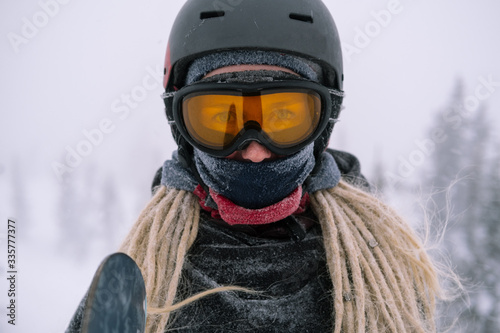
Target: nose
[(255, 152)]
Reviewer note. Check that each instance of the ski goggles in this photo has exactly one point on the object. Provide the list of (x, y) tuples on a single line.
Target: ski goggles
[(220, 118)]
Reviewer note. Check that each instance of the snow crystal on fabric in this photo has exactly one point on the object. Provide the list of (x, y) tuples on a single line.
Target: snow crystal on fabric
[(175, 175), (292, 275), (255, 185), (202, 66), (327, 176)]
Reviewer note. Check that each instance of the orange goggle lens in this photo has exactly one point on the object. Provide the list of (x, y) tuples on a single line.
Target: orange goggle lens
[(286, 119)]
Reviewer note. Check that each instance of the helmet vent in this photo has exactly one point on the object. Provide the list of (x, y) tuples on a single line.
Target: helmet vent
[(301, 17), (212, 14)]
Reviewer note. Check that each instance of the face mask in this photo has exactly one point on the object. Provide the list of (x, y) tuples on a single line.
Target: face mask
[(255, 185)]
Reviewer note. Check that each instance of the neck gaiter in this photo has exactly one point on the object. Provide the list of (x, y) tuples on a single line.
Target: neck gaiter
[(255, 185)]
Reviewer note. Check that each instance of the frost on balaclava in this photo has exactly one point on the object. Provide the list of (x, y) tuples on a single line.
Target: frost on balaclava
[(255, 185)]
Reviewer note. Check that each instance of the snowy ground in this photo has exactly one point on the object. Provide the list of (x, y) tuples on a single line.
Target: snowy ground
[(49, 281)]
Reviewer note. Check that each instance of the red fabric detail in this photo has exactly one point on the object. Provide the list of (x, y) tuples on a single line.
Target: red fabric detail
[(168, 67), (202, 195), (232, 214), (304, 203)]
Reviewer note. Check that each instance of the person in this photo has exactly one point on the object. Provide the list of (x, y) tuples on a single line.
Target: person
[(255, 224)]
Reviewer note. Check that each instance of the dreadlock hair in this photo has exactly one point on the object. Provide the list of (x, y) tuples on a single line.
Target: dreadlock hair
[(383, 279)]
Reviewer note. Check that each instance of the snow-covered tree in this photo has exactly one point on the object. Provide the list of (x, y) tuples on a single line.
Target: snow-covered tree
[(111, 214), (464, 187)]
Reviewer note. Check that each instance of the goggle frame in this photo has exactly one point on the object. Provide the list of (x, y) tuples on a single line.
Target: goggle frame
[(173, 102)]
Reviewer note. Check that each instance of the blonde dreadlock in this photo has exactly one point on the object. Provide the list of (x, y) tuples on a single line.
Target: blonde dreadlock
[(158, 243), (383, 280)]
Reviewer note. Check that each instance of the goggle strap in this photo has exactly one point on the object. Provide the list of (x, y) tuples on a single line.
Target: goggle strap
[(171, 94), (336, 92), (168, 94)]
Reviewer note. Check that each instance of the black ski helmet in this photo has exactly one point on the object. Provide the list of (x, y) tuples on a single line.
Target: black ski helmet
[(304, 28)]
